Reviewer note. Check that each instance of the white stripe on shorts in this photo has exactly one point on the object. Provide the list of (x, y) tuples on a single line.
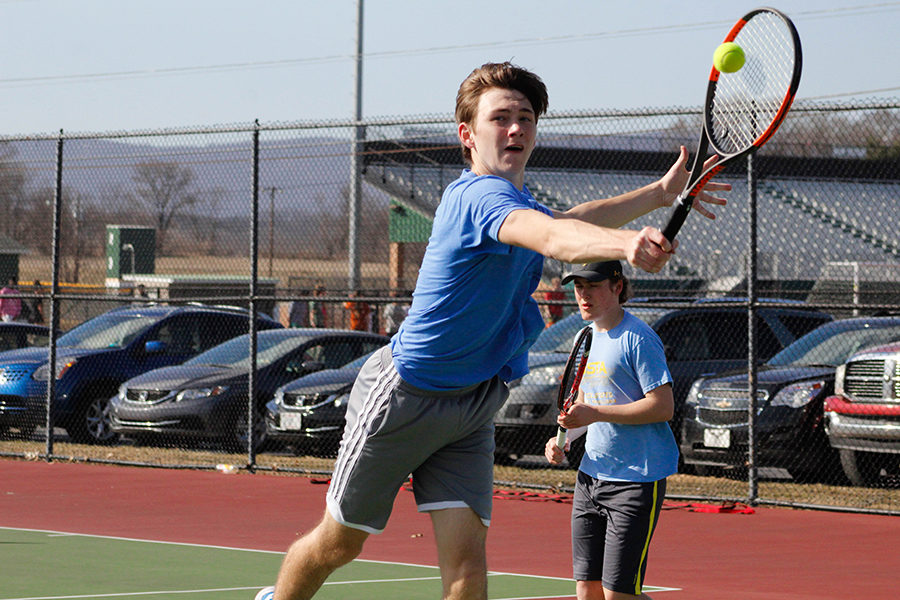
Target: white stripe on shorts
[(379, 395)]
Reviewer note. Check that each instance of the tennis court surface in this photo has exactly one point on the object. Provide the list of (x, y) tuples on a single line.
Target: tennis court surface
[(98, 531), (103, 567)]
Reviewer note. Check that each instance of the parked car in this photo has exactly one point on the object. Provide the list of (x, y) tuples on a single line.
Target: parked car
[(207, 396), (308, 414), (558, 337), (95, 357), (699, 340), (791, 389), (14, 335), (862, 419)]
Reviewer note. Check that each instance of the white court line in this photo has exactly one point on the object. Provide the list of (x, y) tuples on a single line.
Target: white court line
[(205, 591), (52, 533)]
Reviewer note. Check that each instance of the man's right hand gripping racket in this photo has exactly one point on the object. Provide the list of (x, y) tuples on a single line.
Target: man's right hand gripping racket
[(571, 379), (744, 108)]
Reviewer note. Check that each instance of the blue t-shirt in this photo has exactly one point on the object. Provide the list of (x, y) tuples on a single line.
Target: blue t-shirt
[(472, 316), (625, 363)]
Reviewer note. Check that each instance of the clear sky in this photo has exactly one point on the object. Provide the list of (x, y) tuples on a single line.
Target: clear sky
[(132, 65)]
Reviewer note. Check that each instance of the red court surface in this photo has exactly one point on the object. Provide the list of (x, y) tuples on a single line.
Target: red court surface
[(773, 554)]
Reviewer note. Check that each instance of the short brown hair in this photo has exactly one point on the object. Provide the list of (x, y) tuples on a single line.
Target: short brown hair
[(503, 75), (626, 293)]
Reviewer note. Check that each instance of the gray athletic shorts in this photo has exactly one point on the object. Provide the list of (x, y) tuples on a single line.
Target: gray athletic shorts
[(444, 439), (612, 524)]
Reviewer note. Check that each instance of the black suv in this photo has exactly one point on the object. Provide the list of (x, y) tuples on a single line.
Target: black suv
[(96, 357), (706, 338)]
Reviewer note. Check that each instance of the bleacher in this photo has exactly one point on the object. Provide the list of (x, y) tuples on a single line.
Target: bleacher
[(802, 223)]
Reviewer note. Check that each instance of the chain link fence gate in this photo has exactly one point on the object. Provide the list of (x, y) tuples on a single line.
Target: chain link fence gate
[(259, 215)]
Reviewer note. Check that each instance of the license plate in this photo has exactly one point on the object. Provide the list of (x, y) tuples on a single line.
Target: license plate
[(291, 421), (717, 438)]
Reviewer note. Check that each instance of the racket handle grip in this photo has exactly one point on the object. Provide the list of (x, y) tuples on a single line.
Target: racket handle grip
[(676, 219), (561, 439)]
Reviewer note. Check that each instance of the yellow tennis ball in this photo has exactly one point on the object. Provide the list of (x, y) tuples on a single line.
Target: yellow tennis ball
[(728, 58)]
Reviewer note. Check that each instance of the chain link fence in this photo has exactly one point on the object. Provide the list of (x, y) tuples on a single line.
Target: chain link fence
[(158, 240)]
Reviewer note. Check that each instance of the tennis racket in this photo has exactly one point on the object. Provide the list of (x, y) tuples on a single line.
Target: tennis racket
[(743, 109), (571, 379)]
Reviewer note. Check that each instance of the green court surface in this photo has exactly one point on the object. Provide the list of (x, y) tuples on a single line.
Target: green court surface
[(44, 565)]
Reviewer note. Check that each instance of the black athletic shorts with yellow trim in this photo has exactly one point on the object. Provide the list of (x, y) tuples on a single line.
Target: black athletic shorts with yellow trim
[(612, 524)]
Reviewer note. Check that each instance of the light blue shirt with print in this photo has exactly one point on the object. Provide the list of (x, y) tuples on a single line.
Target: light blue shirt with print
[(625, 363)]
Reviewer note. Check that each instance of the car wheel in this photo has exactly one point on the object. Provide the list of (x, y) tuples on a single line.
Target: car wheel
[(863, 468), (237, 441), (821, 467), (92, 424)]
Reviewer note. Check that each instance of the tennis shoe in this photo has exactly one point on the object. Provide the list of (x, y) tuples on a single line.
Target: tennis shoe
[(267, 593)]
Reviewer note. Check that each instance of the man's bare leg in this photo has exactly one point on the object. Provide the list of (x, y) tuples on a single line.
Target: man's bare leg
[(460, 537), (311, 559)]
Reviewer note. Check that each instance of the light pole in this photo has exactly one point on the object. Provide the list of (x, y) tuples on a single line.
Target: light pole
[(353, 250), (272, 191)]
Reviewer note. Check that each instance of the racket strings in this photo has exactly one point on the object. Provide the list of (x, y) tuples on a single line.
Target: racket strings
[(748, 101)]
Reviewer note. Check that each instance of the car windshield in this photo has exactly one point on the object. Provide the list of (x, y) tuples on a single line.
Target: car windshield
[(110, 330), (648, 314), (235, 353), (833, 343), (560, 336), (357, 363)]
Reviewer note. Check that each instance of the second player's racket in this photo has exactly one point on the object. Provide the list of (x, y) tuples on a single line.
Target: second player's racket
[(743, 109), (571, 379)]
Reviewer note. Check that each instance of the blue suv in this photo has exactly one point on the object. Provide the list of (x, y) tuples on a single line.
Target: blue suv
[(96, 357)]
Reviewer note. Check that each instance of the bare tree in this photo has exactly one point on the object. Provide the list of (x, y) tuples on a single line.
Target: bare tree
[(373, 225), (35, 228), (12, 193), (204, 220), (165, 188)]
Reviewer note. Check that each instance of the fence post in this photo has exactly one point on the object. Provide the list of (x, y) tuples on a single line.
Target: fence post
[(54, 291), (251, 301), (752, 351)]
